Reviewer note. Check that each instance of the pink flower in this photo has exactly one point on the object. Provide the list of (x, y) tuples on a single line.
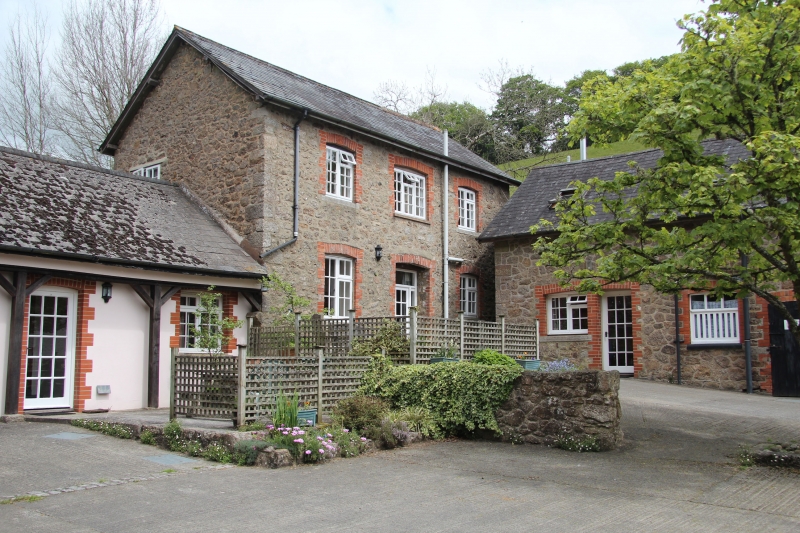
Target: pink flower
[(301, 432), (319, 438), (285, 432), (321, 451), (346, 430), (329, 435), (364, 439), (308, 452), (298, 440)]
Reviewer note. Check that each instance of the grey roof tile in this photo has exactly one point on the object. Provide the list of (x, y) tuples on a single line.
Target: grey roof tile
[(52, 205), (531, 202)]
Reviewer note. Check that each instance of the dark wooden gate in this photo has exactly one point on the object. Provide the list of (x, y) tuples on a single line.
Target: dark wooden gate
[(785, 353)]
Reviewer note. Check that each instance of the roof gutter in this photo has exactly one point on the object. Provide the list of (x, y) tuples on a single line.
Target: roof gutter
[(128, 262), (296, 205)]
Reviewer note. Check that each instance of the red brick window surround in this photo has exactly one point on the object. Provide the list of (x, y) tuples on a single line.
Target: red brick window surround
[(335, 249), (595, 320), (401, 162), (470, 270), (83, 340), (341, 142), (425, 279), (477, 188)]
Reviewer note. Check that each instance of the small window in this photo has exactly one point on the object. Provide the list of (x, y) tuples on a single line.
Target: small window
[(563, 194), (192, 319), (568, 314), (338, 292), (151, 171), (714, 320), (340, 171), (466, 209), (409, 193), (469, 296)]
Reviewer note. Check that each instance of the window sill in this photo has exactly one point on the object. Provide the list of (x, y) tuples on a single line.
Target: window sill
[(730, 346), (340, 201), (409, 217), (566, 337), (465, 231)]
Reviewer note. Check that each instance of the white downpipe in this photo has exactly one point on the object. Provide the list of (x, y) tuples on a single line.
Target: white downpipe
[(583, 148), (445, 235)]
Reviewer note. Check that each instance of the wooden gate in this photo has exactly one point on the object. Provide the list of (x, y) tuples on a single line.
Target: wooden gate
[(784, 352)]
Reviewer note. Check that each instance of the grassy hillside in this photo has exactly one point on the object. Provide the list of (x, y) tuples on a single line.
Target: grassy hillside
[(520, 169)]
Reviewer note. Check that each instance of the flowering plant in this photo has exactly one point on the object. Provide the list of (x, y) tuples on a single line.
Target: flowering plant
[(313, 445)]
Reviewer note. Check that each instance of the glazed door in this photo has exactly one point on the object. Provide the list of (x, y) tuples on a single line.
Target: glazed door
[(618, 333), (405, 292), (51, 349)]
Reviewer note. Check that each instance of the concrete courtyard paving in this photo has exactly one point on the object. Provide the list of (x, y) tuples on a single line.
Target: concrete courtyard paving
[(677, 471)]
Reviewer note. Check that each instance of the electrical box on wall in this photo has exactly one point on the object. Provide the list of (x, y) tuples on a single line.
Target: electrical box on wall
[(104, 389)]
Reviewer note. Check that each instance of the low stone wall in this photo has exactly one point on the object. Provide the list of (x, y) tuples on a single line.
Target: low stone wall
[(543, 406)]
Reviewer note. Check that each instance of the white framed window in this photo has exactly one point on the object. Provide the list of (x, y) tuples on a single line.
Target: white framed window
[(409, 193), (192, 317), (466, 209), (713, 320), (568, 314), (405, 291), (151, 171), (469, 296), (341, 168), (338, 292)]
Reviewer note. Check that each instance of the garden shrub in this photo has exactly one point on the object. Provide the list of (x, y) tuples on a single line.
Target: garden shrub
[(560, 365), (313, 445), (571, 443), (461, 396), (286, 410), (358, 412), (492, 357), (217, 452), (107, 428), (245, 452), (419, 420), (147, 437), (173, 435)]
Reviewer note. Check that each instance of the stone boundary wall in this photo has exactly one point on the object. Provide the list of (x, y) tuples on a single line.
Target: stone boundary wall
[(543, 406)]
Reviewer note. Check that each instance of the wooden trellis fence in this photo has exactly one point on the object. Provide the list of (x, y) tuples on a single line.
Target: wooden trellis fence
[(312, 358)]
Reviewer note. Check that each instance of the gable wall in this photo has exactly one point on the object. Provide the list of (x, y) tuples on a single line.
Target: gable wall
[(522, 290)]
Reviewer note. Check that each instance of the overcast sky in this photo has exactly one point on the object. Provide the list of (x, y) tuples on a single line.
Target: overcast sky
[(355, 45)]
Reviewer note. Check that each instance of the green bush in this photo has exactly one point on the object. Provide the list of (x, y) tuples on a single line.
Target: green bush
[(571, 443), (173, 435), (147, 437), (358, 412), (492, 357), (217, 452), (286, 410), (460, 396), (245, 452), (419, 420)]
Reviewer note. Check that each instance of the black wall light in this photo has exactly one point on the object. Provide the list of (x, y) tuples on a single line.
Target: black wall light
[(106, 294), (378, 252)]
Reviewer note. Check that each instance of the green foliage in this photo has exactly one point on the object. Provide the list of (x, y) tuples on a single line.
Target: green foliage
[(492, 357), (15, 499), (287, 300), (419, 420), (214, 330), (313, 444), (465, 123), (745, 456), (286, 410), (173, 436), (448, 351), (107, 428), (192, 448), (217, 452), (460, 396), (571, 443), (694, 217), (147, 437), (252, 426), (390, 337), (382, 433), (358, 412), (245, 452)]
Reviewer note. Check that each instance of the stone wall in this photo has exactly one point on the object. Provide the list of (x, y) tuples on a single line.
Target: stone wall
[(237, 155), (522, 289), (544, 406)]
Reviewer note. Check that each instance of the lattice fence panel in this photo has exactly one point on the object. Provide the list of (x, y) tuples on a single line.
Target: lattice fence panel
[(480, 335), (206, 386), (341, 378), (433, 333), (266, 377), (521, 341)]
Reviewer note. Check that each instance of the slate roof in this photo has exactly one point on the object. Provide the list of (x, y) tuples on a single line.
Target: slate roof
[(55, 207), (531, 202), (332, 105)]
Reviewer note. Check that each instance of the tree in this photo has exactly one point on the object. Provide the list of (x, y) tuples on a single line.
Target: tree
[(213, 331), (26, 106), (107, 47), (466, 123), (693, 219)]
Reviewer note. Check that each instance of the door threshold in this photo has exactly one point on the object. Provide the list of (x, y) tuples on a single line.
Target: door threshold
[(49, 412)]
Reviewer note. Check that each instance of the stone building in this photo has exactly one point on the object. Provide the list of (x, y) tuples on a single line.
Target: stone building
[(316, 182), (631, 327)]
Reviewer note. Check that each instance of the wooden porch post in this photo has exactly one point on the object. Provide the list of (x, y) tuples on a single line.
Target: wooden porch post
[(14, 367), (154, 348)]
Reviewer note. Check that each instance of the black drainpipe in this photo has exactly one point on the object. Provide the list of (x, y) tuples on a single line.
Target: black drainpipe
[(678, 339), (296, 206)]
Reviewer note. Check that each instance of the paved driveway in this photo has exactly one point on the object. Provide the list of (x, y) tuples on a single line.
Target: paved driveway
[(676, 472)]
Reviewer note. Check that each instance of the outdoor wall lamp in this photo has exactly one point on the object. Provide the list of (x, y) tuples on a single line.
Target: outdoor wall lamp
[(378, 252), (106, 293)]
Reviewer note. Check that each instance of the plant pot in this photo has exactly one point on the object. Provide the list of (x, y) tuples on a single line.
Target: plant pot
[(443, 360), (305, 415), (529, 364)]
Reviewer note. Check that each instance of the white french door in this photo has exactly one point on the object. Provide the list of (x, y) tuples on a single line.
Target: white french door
[(50, 357), (618, 333), (405, 292)]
